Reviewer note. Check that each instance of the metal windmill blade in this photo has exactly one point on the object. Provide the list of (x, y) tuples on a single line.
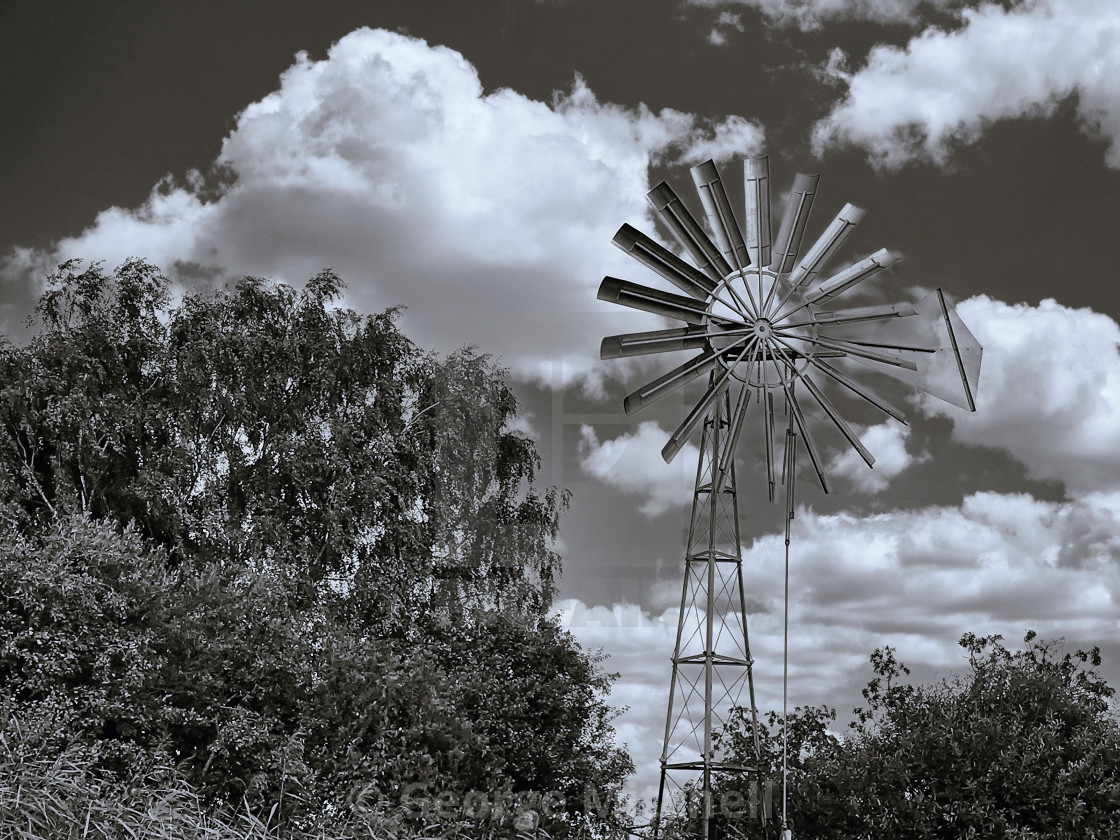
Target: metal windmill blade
[(765, 323)]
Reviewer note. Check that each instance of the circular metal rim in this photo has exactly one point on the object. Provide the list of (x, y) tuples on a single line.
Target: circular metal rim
[(761, 373)]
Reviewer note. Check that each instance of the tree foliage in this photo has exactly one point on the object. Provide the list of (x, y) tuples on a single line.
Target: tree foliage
[(261, 425), (271, 543), (1025, 744)]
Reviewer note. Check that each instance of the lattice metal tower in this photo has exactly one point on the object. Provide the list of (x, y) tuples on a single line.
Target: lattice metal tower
[(711, 658)]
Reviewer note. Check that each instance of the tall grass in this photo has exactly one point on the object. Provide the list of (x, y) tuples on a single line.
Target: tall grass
[(52, 793), (63, 798)]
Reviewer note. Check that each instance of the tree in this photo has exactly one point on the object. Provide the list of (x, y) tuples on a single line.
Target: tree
[(1025, 744), (260, 425), (272, 544)]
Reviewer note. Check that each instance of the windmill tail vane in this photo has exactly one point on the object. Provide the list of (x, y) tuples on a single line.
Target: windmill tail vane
[(761, 318)]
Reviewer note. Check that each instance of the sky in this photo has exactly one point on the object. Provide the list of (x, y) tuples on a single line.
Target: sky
[(472, 161)]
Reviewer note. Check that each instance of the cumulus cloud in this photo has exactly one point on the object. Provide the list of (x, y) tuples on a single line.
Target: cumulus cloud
[(1049, 390), (887, 443), (998, 557), (945, 87), (488, 214), (916, 580), (633, 463), (729, 139), (808, 15)]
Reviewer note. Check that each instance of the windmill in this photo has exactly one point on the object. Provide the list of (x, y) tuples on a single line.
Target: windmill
[(763, 323)]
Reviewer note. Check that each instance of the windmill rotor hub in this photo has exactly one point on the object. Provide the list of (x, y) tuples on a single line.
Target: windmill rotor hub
[(762, 326)]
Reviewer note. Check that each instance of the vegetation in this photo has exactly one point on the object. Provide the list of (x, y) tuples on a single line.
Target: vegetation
[(266, 565), (1026, 744), (268, 569)]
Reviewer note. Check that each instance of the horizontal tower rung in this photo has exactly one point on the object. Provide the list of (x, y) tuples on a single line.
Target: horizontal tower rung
[(718, 556), (717, 659), (715, 765), (706, 488)]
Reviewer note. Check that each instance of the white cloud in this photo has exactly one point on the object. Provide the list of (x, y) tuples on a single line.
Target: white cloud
[(887, 443), (947, 87), (633, 464), (1049, 390), (489, 215), (1005, 557), (725, 22), (812, 14), (916, 580), (728, 139), (523, 423)]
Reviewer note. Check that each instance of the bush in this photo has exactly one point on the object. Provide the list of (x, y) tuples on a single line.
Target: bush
[(1025, 744)]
